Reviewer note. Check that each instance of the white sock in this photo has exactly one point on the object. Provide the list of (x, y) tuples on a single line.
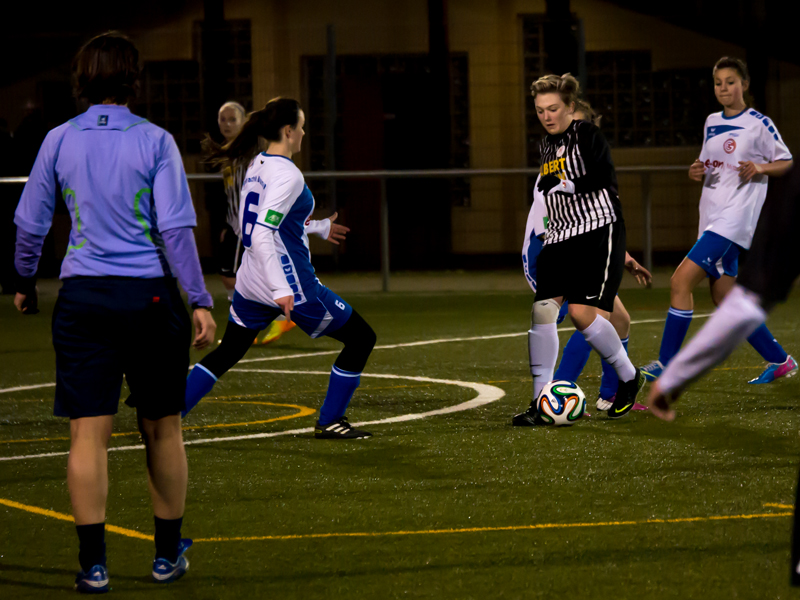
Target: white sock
[(543, 353), (739, 315), (603, 338)]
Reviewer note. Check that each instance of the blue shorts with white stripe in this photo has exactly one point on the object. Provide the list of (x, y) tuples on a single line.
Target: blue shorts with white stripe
[(321, 314)]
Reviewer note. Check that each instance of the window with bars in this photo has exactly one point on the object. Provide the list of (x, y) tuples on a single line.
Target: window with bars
[(172, 94), (640, 107)]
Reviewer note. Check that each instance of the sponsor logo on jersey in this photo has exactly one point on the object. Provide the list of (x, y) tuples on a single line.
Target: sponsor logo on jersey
[(273, 217), (102, 120), (729, 146), (716, 130), (554, 166), (560, 151), (716, 164)]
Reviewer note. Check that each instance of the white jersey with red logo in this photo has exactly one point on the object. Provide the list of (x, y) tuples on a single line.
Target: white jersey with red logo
[(729, 207)]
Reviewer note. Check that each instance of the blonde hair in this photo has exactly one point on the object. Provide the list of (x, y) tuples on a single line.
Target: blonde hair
[(584, 107), (566, 86), (235, 106)]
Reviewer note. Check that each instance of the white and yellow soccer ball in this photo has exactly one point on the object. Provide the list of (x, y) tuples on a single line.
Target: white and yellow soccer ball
[(561, 403)]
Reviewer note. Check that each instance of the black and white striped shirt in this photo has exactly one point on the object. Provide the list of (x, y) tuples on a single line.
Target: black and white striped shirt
[(233, 178), (581, 155)]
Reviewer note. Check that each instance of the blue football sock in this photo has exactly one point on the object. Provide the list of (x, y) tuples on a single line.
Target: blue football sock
[(675, 329), (767, 346), (573, 360), (198, 384), (610, 380), (341, 387)]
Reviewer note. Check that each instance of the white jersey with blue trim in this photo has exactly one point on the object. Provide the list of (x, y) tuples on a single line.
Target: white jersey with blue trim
[(729, 207), (534, 228), (274, 217)]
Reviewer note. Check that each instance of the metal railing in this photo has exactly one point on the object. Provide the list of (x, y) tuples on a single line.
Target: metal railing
[(644, 171)]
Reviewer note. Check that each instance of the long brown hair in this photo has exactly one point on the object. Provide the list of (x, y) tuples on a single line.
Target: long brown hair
[(266, 123), (583, 106)]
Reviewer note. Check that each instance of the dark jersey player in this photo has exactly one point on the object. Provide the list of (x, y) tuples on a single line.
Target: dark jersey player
[(766, 280)]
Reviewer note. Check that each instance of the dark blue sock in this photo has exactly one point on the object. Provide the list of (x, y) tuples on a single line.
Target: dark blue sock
[(573, 360), (341, 387), (610, 380), (198, 384), (92, 540), (675, 330), (767, 346)]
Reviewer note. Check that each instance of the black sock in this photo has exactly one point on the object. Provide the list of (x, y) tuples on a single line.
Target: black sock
[(92, 545), (168, 537)]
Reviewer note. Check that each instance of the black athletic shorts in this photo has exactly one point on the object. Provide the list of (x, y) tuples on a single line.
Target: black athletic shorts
[(584, 269), (107, 327), (773, 262), (230, 253)]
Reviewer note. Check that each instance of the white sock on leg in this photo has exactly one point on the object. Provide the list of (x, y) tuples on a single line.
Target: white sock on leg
[(543, 353), (603, 338), (739, 315)]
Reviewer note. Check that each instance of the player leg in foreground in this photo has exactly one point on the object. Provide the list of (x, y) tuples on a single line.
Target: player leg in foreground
[(248, 318), (766, 281)]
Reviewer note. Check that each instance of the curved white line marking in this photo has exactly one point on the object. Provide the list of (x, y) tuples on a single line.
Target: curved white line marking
[(486, 394)]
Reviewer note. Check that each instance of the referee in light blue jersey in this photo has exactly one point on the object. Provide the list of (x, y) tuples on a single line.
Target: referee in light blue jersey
[(119, 311)]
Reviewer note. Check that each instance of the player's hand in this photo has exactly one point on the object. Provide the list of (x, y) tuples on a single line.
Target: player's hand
[(204, 328), (642, 275), (287, 305), (338, 232), (27, 304), (659, 404), (550, 184), (697, 171), (748, 169)]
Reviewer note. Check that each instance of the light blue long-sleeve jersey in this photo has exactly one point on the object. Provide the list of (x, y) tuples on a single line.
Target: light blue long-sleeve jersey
[(123, 181)]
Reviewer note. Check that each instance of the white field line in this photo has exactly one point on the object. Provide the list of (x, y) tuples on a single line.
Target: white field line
[(482, 389), (430, 342), (486, 394)]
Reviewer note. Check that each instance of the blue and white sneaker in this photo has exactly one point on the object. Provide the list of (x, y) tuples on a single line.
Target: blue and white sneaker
[(165, 571), (787, 368), (652, 371), (93, 582)]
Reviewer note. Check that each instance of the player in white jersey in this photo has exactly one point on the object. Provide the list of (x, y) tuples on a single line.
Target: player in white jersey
[(741, 150), (576, 352), (230, 118), (276, 276)]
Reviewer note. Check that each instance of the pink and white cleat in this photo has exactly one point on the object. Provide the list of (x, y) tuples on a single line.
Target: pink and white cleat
[(788, 368)]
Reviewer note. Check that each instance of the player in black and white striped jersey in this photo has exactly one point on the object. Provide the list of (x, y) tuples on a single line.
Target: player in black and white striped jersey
[(584, 248)]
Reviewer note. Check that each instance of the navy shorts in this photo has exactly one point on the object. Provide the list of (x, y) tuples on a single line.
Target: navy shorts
[(716, 255), (317, 316), (105, 328)]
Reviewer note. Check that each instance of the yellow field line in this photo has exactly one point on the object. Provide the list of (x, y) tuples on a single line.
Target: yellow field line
[(303, 411), (61, 516), (314, 536), (776, 505)]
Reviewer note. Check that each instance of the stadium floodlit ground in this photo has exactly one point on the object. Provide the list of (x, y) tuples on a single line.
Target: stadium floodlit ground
[(447, 500)]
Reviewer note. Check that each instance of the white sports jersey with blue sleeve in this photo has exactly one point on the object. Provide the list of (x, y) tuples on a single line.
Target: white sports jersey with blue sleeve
[(275, 205), (729, 207), (534, 230)]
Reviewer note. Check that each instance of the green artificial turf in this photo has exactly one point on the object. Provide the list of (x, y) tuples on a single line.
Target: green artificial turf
[(459, 505)]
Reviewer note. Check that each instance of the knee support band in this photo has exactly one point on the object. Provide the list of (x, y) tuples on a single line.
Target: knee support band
[(544, 312)]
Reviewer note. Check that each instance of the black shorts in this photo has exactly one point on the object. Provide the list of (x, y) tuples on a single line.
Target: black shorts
[(772, 264), (230, 253), (584, 269), (107, 327)]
